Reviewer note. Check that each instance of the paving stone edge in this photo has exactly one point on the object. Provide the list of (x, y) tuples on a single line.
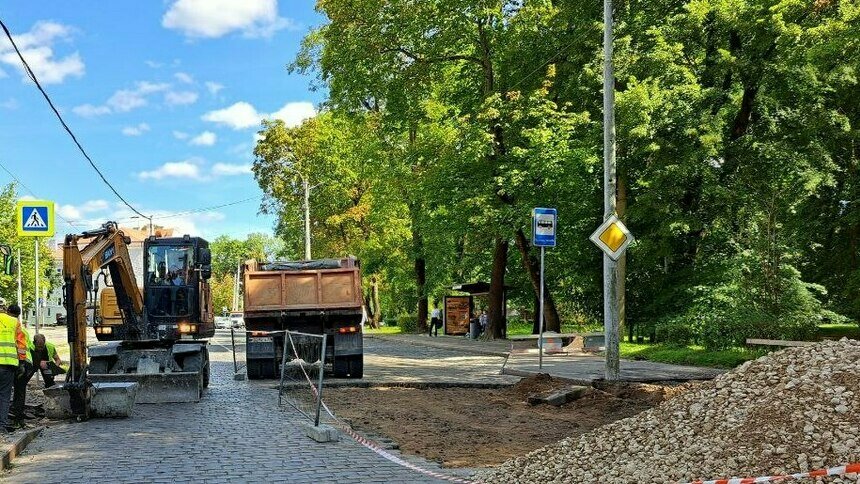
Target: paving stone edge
[(18, 445)]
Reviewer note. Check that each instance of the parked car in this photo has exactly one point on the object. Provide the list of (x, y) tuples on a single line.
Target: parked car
[(238, 320), (223, 322)]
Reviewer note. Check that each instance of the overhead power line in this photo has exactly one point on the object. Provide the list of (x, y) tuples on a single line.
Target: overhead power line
[(32, 76), (25, 187)]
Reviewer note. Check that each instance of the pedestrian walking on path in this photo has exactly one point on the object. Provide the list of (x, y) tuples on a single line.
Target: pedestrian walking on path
[(435, 320)]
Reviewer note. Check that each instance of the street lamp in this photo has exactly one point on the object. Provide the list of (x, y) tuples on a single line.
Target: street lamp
[(150, 221), (307, 204)]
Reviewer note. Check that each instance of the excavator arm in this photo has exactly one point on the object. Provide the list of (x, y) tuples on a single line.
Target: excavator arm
[(106, 248)]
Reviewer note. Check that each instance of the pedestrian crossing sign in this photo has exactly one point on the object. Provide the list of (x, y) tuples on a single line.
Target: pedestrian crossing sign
[(35, 218)]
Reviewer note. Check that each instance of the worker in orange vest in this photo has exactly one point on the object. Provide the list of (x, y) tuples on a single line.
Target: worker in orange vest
[(14, 357)]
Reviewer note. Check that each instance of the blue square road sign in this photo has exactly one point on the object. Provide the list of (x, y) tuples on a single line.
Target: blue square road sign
[(544, 225)]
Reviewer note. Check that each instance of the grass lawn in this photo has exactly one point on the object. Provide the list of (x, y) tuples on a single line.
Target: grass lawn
[(689, 355), (838, 331), (383, 330)]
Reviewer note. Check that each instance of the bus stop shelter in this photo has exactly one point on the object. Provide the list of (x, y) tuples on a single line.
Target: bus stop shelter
[(459, 309)]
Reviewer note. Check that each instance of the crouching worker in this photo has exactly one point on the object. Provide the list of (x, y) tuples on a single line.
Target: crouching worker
[(46, 359)]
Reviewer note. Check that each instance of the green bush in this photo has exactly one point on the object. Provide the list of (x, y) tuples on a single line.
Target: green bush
[(408, 323), (675, 331), (389, 321)]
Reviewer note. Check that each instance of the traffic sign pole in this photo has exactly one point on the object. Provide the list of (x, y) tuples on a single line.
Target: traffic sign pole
[(38, 311), (540, 317), (20, 286)]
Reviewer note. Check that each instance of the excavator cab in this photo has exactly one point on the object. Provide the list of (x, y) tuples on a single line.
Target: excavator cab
[(176, 292), (177, 302)]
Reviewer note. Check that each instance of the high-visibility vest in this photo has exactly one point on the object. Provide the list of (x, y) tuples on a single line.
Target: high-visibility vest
[(8, 340), (30, 345), (52, 351)]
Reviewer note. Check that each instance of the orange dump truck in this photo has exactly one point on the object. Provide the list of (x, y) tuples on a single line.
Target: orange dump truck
[(321, 297)]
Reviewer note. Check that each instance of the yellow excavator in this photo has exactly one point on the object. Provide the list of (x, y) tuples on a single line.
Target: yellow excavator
[(159, 339)]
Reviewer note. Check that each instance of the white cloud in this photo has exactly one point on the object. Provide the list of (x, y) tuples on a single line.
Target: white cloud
[(135, 130), (213, 87), (206, 138), (10, 103), (294, 113), (184, 78), (226, 169), (89, 111), (173, 98), (180, 135), (174, 169), (78, 212), (123, 100), (242, 115), (216, 18), (153, 64), (36, 46)]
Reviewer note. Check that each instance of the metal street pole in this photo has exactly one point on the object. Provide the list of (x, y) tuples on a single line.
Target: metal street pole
[(38, 311), (20, 285), (610, 267), (307, 218), (540, 317), (236, 287), (150, 225)]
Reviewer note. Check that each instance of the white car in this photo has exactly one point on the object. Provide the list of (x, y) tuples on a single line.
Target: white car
[(238, 320), (223, 322)]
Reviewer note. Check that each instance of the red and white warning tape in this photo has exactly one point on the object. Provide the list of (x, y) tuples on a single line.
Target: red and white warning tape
[(370, 444), (833, 471)]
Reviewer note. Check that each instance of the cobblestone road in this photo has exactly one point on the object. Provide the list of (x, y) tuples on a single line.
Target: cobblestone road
[(235, 434)]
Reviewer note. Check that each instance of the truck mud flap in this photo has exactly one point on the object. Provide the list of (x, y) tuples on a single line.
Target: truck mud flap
[(175, 387)]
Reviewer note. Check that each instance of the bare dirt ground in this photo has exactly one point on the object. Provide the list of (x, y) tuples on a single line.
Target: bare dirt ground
[(467, 427)]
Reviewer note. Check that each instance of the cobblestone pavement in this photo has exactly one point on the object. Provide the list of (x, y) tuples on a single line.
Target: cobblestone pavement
[(235, 434)]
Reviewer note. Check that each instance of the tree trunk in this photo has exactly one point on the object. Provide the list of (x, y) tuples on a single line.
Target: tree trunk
[(421, 280), (551, 321), (371, 312), (535, 323), (374, 294), (496, 313), (621, 210)]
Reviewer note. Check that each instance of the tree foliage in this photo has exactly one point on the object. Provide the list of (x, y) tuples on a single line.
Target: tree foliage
[(448, 120)]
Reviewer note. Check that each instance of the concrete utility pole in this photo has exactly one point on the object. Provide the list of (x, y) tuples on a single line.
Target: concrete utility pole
[(611, 308), (307, 190)]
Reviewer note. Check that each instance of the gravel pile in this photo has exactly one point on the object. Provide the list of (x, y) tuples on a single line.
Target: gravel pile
[(791, 411)]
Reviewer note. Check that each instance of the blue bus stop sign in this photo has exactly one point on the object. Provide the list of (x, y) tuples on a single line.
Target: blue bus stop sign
[(544, 222)]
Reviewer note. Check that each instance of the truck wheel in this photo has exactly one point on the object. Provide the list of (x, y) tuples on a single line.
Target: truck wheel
[(207, 367), (253, 370), (356, 366), (341, 367)]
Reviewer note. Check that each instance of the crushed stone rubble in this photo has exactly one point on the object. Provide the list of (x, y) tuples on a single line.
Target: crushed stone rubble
[(791, 411)]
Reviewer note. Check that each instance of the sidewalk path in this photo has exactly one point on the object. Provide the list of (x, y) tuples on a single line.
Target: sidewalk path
[(582, 368)]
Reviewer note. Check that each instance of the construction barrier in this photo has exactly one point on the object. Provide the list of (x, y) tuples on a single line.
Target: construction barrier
[(833, 471)]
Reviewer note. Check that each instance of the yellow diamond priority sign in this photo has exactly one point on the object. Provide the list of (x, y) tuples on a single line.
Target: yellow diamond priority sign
[(612, 237)]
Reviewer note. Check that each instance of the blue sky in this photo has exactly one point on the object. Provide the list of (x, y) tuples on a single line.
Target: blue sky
[(166, 96)]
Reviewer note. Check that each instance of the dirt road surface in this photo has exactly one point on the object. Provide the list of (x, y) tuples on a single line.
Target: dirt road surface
[(467, 427)]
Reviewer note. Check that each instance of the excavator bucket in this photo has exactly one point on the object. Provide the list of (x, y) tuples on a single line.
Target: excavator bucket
[(174, 374), (176, 387)]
